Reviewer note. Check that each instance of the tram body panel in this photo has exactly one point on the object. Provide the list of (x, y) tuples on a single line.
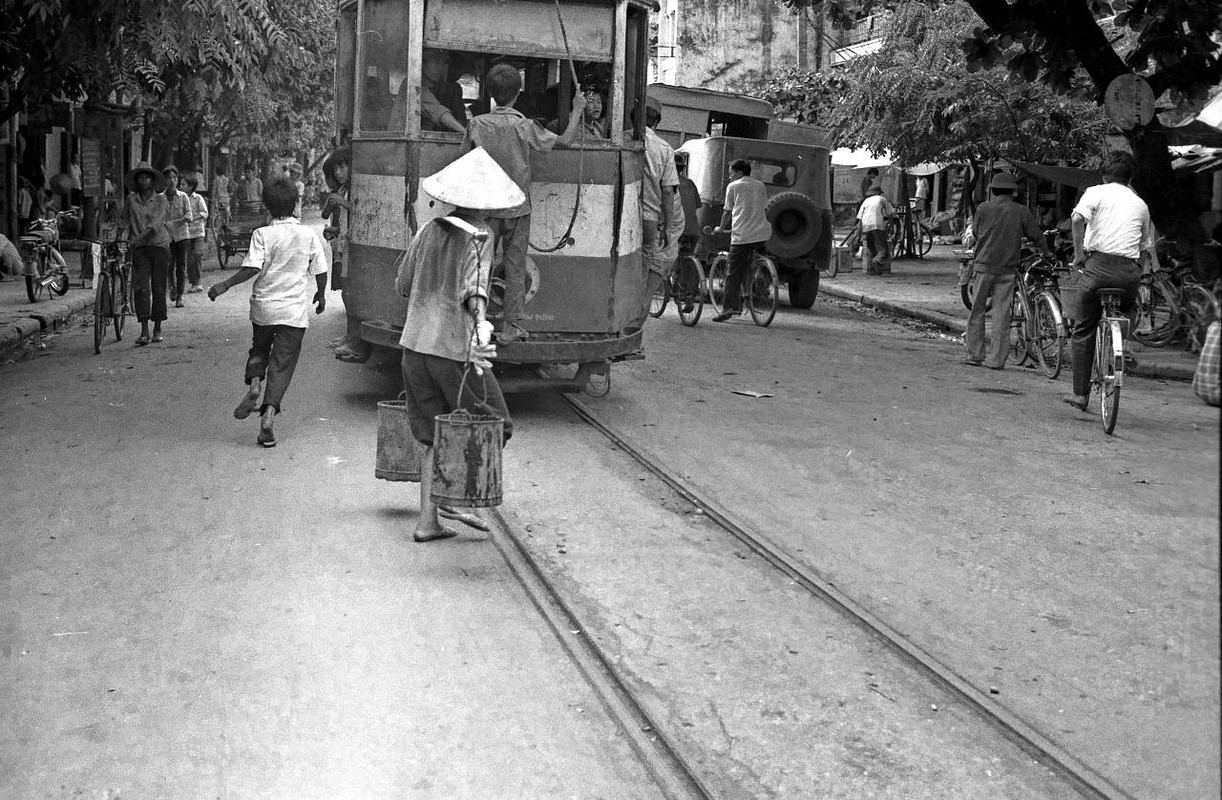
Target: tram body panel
[(595, 285)]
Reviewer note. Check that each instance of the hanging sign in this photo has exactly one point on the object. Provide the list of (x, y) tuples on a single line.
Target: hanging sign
[(1129, 101)]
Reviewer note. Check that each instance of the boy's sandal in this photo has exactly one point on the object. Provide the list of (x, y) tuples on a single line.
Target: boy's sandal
[(141, 341), (158, 338)]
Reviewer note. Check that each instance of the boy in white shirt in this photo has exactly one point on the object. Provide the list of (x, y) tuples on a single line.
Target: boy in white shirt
[(283, 256)]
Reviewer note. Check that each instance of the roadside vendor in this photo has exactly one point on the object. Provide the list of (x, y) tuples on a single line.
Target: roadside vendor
[(446, 338)]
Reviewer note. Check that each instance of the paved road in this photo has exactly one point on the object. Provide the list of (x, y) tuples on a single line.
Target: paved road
[(256, 623)]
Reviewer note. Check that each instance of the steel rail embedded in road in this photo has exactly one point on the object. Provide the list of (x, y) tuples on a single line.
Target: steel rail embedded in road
[(1083, 778), (672, 775)]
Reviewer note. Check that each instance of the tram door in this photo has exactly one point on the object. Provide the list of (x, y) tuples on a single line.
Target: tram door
[(417, 67)]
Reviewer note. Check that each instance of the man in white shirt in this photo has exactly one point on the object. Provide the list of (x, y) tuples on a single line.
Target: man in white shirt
[(660, 181), (873, 214), (745, 218), (1112, 233)]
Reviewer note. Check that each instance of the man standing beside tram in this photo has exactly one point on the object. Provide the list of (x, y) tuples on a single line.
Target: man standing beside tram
[(660, 182)]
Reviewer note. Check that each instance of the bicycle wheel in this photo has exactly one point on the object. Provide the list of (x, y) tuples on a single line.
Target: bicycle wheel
[(719, 270), (222, 247), (1019, 350), (1200, 309), (1048, 331), (689, 282), (764, 291), (657, 301), (833, 266), (59, 282), (33, 283), (121, 303), (1157, 315), (895, 232), (1107, 369), (101, 310), (924, 241)]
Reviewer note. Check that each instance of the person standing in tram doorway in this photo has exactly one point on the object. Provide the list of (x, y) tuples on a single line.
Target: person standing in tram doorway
[(657, 205), (509, 137), (446, 339)]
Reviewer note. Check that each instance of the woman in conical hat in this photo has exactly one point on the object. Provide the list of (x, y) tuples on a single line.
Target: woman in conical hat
[(146, 219), (444, 276)]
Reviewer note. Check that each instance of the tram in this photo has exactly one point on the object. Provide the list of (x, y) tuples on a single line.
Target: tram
[(586, 275)]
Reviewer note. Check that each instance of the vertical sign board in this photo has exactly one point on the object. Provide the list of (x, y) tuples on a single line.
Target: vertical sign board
[(91, 167)]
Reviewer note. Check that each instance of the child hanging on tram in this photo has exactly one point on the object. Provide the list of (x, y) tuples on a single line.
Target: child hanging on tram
[(282, 258), (510, 137)]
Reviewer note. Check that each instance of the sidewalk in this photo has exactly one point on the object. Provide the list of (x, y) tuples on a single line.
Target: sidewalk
[(928, 289), (21, 320)]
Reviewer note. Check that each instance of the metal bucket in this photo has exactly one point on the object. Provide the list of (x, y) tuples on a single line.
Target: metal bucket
[(399, 454), (467, 459)]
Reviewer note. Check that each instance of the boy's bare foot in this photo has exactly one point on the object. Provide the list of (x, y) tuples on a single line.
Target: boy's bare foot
[(465, 517), (432, 533), (250, 401)]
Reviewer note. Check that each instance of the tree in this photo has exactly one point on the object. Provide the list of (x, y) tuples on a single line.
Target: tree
[(916, 98), (1173, 44), (254, 68)]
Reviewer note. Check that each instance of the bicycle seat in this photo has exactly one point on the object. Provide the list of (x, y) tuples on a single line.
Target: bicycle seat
[(1118, 294)]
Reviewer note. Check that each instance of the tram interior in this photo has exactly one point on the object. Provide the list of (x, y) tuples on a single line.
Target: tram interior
[(453, 77)]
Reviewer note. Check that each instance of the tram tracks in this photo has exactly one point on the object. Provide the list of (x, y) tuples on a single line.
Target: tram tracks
[(663, 760)]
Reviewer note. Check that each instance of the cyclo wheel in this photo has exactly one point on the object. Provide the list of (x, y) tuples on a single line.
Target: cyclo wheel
[(657, 301), (121, 304), (764, 292), (719, 272), (689, 281), (1106, 370), (1019, 351), (101, 310), (1049, 341)]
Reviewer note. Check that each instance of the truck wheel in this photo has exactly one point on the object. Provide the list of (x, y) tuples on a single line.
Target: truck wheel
[(804, 288), (797, 224)]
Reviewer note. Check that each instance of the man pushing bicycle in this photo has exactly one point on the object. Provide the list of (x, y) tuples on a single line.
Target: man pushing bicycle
[(1111, 234)]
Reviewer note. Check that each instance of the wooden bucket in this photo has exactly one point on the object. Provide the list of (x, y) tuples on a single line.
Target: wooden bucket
[(467, 459), (399, 454)]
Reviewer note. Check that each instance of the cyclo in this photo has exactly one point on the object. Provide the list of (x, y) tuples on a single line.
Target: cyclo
[(585, 289)]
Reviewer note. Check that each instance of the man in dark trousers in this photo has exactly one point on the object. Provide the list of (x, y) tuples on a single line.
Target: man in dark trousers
[(745, 218), (1112, 235), (1000, 225)]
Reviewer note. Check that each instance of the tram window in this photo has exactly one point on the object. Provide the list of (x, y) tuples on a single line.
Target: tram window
[(774, 173), (384, 61), (442, 99)]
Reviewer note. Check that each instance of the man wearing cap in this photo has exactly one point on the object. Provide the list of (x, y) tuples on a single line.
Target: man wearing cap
[(872, 215), (446, 339), (146, 218), (999, 225)]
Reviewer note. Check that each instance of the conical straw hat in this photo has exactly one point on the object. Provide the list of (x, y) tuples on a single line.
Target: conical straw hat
[(474, 181)]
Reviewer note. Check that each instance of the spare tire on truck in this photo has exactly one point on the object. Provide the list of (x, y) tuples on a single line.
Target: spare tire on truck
[(797, 224)]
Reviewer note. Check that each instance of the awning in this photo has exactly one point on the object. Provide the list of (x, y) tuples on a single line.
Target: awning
[(844, 157), (1195, 158), (1069, 176), (926, 168)]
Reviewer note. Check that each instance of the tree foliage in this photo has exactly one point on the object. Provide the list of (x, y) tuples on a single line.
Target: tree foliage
[(1173, 44), (258, 69)]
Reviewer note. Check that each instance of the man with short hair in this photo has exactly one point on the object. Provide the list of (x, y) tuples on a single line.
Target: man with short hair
[(657, 202), (999, 225), (744, 216), (872, 216), (510, 138), (1112, 235)]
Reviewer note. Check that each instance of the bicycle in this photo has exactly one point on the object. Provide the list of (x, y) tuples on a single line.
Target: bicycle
[(45, 268), (1173, 303), (1037, 324), (909, 235), (112, 299), (761, 285), (685, 285), (1108, 370)]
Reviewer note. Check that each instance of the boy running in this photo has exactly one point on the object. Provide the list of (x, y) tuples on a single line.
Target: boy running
[(283, 256)]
